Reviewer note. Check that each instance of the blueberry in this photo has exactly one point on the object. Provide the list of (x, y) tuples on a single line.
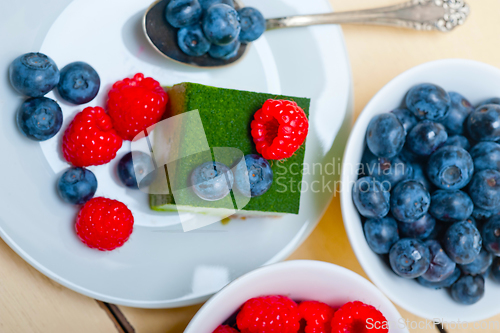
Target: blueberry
[(385, 135), (494, 100), (419, 175), (459, 141), (406, 117), (253, 24), (221, 24), (486, 155), (426, 137), (212, 181), (409, 258), (462, 242), (205, 4), (495, 270), (483, 124), (480, 265), (484, 189), (450, 168), (257, 172), (468, 289), (135, 165), (441, 266), (183, 13), (483, 214), (370, 198), (33, 74), (428, 101), (192, 41), (77, 186), (460, 108), (410, 156), (420, 229), (381, 234), (79, 83), (438, 231), (451, 206), (491, 235), (409, 201), (225, 51), (39, 118), (441, 284), (389, 171)]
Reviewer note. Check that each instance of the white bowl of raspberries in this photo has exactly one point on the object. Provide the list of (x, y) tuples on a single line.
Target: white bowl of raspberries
[(298, 296), (421, 190)]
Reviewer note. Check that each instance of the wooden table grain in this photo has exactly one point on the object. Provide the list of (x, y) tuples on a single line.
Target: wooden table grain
[(30, 302)]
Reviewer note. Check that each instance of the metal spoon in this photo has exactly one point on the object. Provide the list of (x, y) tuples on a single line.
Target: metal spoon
[(440, 15)]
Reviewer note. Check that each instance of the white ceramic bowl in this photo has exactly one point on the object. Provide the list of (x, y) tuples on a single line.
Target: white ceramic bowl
[(477, 82), (299, 280)]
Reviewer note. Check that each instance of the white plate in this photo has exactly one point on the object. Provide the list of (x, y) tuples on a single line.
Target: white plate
[(160, 266)]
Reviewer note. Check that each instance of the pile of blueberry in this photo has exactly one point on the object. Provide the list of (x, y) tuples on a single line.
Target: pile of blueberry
[(213, 26), (429, 190)]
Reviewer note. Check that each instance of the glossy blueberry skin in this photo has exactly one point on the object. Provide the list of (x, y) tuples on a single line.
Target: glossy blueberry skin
[(409, 201), (79, 83), (389, 171), (459, 141), (426, 137), (225, 51), (253, 24), (441, 266), (480, 265), (451, 206), (259, 176), (133, 164), (428, 101), (409, 258), (420, 229), (221, 24), (183, 13), (491, 235), (460, 108), (441, 284), (370, 198), (484, 189), (385, 135), (205, 4), (468, 289), (406, 117), (212, 181), (39, 118), (486, 155), (494, 100), (192, 41), (495, 270), (462, 242), (77, 185), (483, 124), (381, 234), (33, 74), (450, 168), (420, 176)]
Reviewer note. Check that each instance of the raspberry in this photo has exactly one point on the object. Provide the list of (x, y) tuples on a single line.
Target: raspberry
[(225, 329), (104, 224), (276, 314), (90, 139), (136, 104), (317, 315), (279, 129), (358, 317)]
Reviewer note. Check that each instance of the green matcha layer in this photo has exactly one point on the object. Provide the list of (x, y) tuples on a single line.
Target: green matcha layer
[(226, 115)]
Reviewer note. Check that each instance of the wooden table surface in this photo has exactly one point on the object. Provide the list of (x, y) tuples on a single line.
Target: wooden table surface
[(30, 302)]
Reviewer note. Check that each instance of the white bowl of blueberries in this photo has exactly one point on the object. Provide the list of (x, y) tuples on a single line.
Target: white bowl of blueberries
[(421, 190)]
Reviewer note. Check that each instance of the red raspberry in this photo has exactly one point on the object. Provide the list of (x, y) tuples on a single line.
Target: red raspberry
[(279, 129), (135, 104), (225, 329), (90, 139), (317, 315), (358, 317), (269, 314), (104, 224)]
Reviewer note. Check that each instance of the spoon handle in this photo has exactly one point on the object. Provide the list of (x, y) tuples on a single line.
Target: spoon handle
[(441, 15)]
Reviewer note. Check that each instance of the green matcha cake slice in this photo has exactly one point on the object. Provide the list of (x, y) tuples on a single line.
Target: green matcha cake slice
[(226, 115)]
